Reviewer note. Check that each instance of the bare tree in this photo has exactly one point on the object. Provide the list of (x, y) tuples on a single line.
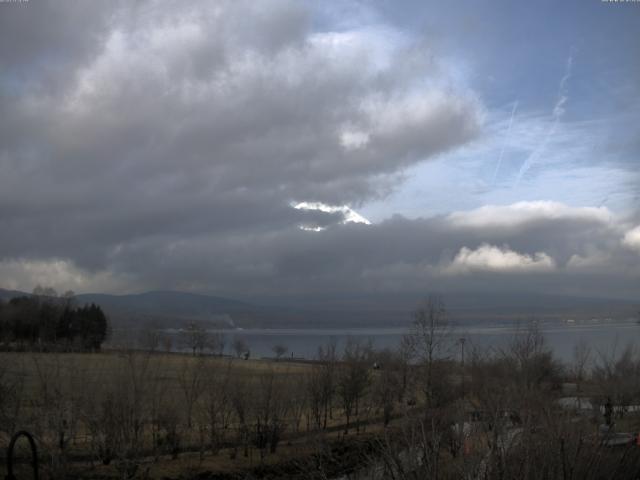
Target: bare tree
[(580, 363), (532, 360), (297, 400), (386, 383), (353, 378), (149, 338), (315, 395), (170, 425), (217, 343), (279, 350), (191, 379), (429, 338), (166, 342), (618, 377), (241, 404), (117, 415), (271, 405), (327, 360), (403, 358), (217, 408), (68, 299), (11, 397), (157, 389), (43, 292), (195, 338), (240, 346)]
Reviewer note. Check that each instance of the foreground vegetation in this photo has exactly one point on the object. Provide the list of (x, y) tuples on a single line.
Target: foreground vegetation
[(422, 411)]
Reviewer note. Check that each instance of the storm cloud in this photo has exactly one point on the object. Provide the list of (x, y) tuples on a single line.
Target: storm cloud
[(165, 145)]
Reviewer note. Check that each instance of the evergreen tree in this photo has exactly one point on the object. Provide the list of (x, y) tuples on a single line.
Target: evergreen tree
[(45, 320)]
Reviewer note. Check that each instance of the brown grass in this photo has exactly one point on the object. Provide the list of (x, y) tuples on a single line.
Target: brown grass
[(89, 375)]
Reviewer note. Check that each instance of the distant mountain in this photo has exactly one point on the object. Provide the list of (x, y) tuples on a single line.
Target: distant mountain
[(165, 309), (464, 307), (9, 294), (170, 309), (510, 306)]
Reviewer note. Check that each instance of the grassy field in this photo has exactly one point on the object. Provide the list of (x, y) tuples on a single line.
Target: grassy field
[(99, 365), (168, 416), (110, 414)]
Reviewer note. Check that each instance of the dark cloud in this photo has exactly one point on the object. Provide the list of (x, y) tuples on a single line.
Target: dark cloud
[(581, 254), (162, 145), (187, 120)]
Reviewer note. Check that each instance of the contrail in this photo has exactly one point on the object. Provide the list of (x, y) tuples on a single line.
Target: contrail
[(558, 111), (506, 139)]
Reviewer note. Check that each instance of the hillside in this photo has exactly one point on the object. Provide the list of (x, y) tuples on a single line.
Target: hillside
[(171, 309)]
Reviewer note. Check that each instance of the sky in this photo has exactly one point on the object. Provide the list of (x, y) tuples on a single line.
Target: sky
[(287, 147)]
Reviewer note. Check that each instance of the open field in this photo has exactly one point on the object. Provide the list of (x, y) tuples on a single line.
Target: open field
[(115, 413), (83, 367), (511, 413)]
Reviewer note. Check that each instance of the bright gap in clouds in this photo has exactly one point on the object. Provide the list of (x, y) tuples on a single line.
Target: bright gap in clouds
[(349, 215)]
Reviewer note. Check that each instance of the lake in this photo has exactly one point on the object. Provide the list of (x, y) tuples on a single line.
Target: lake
[(601, 336)]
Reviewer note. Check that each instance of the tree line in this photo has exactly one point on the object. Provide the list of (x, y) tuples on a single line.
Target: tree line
[(46, 321)]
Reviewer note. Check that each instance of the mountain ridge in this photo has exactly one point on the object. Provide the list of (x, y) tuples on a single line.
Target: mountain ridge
[(175, 309)]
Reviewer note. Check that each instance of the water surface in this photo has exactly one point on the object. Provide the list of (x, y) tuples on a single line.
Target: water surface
[(604, 337)]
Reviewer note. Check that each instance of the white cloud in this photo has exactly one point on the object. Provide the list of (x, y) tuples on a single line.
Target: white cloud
[(520, 213), (353, 139), (25, 274), (496, 259), (632, 239), (349, 215), (590, 260)]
